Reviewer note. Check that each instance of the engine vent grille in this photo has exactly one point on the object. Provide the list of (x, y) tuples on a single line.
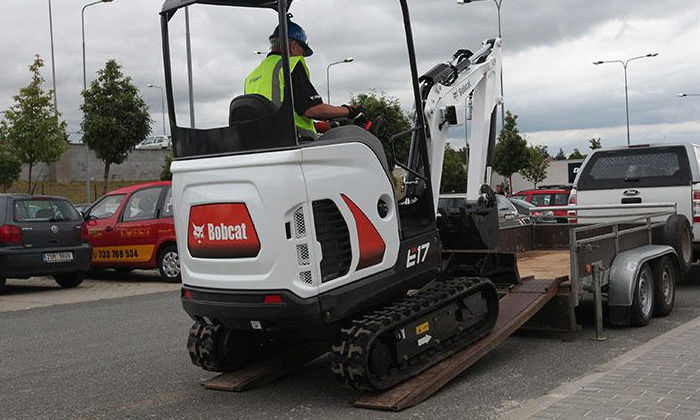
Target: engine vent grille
[(303, 254), (333, 235), (305, 276), (299, 224)]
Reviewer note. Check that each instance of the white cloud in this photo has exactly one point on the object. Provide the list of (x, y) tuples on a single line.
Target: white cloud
[(561, 98)]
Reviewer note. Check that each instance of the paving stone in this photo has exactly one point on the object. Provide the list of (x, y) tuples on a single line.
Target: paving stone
[(663, 383)]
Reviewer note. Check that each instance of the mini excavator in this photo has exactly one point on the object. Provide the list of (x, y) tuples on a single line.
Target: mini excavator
[(337, 251)]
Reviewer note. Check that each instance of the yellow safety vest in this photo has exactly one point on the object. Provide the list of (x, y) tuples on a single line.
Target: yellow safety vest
[(262, 81)]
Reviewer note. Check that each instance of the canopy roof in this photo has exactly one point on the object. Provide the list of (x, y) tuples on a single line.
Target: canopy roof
[(171, 5)]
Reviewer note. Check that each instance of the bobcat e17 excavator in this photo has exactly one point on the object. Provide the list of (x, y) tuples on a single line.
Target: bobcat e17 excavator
[(282, 240)]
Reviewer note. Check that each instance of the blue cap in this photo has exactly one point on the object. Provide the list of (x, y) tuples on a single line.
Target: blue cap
[(296, 33)]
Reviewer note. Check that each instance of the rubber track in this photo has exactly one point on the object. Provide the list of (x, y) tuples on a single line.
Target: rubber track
[(201, 345), (350, 355), (207, 347)]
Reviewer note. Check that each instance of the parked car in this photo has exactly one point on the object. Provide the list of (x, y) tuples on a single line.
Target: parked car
[(42, 236), (155, 142), (133, 227), (662, 173), (542, 197), (530, 209), (508, 215)]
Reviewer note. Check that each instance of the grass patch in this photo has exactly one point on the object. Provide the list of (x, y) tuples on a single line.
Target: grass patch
[(74, 191)]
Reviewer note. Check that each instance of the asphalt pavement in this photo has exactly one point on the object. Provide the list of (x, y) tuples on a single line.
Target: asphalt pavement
[(125, 358)]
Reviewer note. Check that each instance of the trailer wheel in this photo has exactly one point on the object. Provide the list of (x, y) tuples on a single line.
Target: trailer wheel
[(665, 277), (70, 279), (678, 235), (643, 299)]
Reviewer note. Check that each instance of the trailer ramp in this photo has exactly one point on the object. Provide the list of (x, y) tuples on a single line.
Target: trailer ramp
[(267, 370), (516, 307)]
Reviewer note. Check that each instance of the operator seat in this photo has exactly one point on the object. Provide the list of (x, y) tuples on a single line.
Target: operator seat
[(250, 107)]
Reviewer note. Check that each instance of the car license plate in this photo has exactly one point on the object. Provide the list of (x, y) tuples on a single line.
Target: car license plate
[(56, 257)]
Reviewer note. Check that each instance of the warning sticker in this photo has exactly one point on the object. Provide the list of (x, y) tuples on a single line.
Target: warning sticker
[(422, 328)]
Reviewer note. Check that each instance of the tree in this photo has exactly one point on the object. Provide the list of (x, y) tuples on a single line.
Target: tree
[(536, 169), (577, 155), (10, 167), (165, 174), (31, 129), (394, 121), (115, 117), (511, 149), (595, 143), (454, 170), (560, 155)]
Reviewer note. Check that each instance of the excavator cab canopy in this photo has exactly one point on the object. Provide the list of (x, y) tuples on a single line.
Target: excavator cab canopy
[(254, 126), (171, 5)]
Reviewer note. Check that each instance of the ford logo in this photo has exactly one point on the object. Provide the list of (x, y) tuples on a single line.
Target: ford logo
[(54, 229), (630, 193)]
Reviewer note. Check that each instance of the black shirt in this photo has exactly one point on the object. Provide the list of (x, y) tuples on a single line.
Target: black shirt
[(305, 95)]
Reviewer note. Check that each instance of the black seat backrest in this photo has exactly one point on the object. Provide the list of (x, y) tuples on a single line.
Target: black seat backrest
[(249, 107)]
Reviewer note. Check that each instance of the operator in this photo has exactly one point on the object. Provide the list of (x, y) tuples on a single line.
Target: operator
[(268, 80)]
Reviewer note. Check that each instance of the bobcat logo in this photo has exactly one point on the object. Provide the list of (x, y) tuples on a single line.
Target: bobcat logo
[(198, 232)]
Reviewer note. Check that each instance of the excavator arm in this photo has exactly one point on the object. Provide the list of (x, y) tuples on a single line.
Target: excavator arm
[(465, 88)]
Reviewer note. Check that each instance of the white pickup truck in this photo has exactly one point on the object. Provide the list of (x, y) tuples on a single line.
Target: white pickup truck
[(640, 174)]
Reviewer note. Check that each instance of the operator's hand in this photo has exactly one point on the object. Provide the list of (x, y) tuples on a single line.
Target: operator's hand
[(354, 112)]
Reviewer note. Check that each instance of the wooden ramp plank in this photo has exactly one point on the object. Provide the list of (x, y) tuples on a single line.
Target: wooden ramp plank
[(267, 370), (516, 308)]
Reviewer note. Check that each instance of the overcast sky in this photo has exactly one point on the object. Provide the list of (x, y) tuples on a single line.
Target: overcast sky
[(561, 98)]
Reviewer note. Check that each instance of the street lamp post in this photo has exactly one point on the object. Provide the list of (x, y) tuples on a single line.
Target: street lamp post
[(328, 75), (87, 156), (82, 22), (53, 61), (162, 102), (624, 66), (498, 10)]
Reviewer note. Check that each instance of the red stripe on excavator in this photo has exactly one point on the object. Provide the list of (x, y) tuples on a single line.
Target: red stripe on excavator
[(372, 245)]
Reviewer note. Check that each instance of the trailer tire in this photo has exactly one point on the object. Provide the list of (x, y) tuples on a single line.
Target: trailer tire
[(643, 299), (679, 236), (665, 277)]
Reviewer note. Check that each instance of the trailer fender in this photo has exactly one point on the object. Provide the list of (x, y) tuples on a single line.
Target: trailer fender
[(625, 268)]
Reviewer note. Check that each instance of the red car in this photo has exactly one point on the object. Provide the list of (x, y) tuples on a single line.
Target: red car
[(549, 196), (133, 227)]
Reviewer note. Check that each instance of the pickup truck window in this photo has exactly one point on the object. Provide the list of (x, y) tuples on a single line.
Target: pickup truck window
[(635, 168)]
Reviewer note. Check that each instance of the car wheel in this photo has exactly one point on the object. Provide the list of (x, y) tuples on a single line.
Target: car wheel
[(2, 284), (665, 276), (169, 264), (70, 279), (678, 235), (643, 299)]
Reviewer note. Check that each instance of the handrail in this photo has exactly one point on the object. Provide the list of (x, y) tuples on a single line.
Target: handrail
[(609, 207)]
